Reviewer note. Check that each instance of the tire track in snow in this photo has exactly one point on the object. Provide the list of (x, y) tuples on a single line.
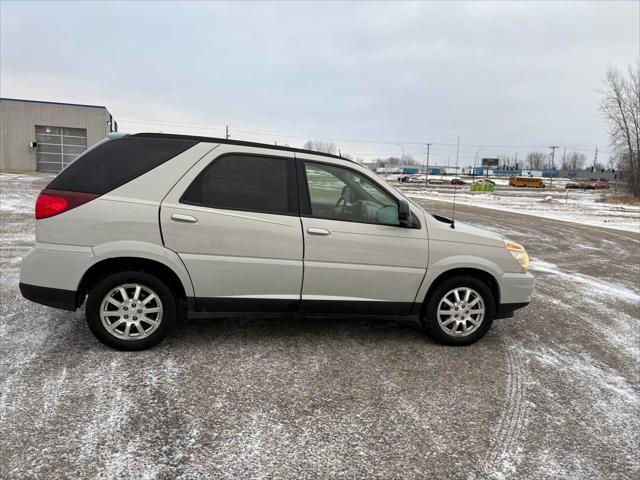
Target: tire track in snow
[(504, 446)]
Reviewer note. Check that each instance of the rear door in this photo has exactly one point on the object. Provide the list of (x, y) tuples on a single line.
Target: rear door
[(358, 259), (234, 222)]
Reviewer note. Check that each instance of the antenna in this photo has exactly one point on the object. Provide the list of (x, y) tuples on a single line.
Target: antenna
[(455, 188)]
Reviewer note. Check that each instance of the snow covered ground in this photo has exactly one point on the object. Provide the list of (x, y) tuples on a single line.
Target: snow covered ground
[(552, 393), (573, 206)]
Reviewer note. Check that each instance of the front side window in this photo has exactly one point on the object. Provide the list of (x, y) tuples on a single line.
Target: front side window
[(243, 182), (341, 194)]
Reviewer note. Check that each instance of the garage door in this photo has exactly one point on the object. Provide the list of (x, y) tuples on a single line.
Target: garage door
[(59, 146)]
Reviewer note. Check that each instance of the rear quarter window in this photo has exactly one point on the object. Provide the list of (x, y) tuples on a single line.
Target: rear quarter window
[(116, 162)]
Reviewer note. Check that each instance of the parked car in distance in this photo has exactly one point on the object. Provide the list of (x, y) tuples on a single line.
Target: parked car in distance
[(435, 181), (417, 179), (572, 185), (150, 228), (600, 186), (457, 181), (485, 180)]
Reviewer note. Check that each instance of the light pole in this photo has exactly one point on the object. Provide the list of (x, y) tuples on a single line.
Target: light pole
[(426, 172), (401, 161), (553, 154), (475, 159)]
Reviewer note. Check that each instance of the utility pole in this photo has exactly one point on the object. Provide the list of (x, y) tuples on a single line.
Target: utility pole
[(595, 160), (426, 172), (553, 156), (226, 135)]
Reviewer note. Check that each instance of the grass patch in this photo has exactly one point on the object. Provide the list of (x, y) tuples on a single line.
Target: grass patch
[(625, 199)]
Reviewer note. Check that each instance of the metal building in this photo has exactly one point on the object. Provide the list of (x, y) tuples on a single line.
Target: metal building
[(46, 136)]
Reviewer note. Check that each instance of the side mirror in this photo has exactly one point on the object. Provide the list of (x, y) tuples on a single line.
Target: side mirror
[(404, 214)]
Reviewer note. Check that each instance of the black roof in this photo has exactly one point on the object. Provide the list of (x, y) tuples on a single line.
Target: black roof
[(236, 142), (52, 103)]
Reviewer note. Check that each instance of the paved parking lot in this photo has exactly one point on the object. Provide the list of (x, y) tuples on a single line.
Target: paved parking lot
[(551, 393)]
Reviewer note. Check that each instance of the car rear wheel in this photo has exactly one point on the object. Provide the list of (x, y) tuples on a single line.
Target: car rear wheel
[(130, 310), (459, 311)]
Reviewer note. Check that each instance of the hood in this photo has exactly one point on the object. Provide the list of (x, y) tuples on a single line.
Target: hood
[(440, 229)]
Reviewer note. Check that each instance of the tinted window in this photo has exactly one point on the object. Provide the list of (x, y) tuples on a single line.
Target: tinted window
[(239, 182), (116, 162), (341, 194)]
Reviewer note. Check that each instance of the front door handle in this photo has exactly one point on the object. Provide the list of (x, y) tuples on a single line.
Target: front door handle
[(318, 231), (178, 217)]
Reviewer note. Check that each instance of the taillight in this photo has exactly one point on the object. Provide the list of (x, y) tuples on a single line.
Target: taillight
[(52, 202)]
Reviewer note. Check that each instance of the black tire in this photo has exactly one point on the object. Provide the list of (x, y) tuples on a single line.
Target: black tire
[(429, 317), (110, 283)]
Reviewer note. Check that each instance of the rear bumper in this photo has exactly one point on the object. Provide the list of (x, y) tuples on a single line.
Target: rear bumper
[(51, 297), (505, 310)]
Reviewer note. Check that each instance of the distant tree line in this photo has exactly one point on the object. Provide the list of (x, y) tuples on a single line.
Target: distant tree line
[(395, 161), (321, 146), (537, 160), (325, 147)]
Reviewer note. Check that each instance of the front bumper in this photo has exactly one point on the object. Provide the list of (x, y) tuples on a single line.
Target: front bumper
[(516, 287), (515, 293)]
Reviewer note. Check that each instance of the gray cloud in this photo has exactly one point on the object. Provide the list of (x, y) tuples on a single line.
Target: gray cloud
[(521, 74)]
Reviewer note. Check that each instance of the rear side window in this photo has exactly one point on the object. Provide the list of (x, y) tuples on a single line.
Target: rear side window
[(244, 182), (116, 162)]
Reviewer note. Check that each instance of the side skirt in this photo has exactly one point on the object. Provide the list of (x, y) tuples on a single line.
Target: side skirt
[(333, 307)]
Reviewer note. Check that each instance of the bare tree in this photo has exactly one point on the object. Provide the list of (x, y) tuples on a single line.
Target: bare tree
[(535, 160), (321, 146), (506, 161), (408, 159), (621, 108), (574, 161)]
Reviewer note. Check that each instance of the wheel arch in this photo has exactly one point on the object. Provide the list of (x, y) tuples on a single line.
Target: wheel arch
[(106, 266), (480, 274)]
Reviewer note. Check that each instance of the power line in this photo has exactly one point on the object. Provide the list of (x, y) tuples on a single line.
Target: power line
[(261, 132)]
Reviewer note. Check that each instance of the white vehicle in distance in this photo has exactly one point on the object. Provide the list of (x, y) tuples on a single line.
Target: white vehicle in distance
[(435, 181), (149, 228), (417, 179)]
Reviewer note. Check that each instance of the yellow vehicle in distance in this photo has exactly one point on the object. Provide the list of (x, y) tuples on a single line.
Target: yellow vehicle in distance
[(531, 182)]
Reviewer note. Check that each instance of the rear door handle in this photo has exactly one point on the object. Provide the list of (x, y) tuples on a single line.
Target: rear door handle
[(178, 217), (318, 231)]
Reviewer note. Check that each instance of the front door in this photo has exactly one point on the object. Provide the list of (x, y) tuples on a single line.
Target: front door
[(357, 256), (234, 223)]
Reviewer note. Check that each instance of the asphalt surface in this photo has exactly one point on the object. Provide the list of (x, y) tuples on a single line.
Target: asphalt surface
[(551, 393)]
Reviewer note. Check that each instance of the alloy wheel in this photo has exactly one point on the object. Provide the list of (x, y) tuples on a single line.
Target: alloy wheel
[(131, 311), (460, 312)]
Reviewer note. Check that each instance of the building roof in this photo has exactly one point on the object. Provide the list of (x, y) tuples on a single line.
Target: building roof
[(237, 142), (53, 103)]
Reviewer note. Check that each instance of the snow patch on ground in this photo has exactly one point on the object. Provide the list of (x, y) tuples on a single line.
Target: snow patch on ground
[(592, 286), (603, 377), (582, 208)]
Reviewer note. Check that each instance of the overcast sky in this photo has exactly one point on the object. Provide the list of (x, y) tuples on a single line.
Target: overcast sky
[(511, 74)]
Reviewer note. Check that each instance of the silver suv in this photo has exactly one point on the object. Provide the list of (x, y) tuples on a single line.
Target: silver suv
[(154, 227)]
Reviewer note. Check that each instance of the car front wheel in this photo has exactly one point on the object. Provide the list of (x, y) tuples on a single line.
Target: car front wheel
[(459, 311), (130, 310)]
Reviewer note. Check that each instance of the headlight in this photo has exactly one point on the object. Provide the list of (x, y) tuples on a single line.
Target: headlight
[(518, 252)]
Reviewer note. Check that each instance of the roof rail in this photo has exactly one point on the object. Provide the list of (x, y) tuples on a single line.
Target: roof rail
[(236, 142)]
